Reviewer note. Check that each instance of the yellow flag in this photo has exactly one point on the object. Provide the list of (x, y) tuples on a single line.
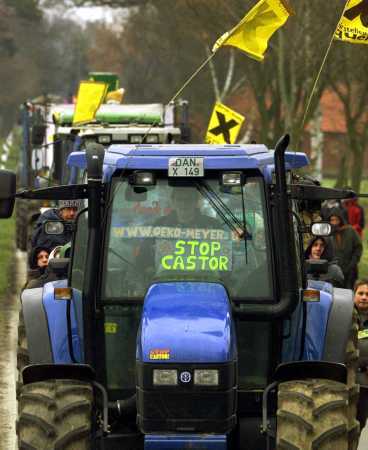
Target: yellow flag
[(253, 32), (224, 125), (90, 96), (353, 26)]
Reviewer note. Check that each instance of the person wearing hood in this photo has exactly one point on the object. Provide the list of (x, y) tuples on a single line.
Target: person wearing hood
[(66, 212), (322, 248), (347, 246), (38, 261)]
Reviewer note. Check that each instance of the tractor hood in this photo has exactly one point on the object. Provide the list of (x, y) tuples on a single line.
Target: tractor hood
[(186, 322)]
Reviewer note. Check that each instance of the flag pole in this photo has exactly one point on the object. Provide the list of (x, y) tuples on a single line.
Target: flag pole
[(191, 78), (320, 71)]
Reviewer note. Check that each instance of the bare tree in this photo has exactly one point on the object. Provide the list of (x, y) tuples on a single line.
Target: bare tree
[(348, 79)]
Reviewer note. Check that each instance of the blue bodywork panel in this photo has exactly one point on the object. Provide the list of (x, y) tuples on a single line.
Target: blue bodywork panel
[(317, 320), (183, 442), (316, 327), (225, 157), (57, 323), (190, 321)]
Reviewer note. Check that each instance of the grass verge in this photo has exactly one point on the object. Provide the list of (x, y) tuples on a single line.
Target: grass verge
[(7, 250), (7, 236)]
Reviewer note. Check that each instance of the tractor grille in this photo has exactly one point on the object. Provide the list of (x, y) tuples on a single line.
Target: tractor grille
[(186, 407)]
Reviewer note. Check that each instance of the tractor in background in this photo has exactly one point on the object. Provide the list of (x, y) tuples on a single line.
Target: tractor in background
[(49, 137)]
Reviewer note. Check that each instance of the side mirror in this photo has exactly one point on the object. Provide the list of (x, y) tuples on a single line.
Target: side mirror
[(53, 227), (38, 135), (7, 193), (59, 266), (316, 267), (321, 229)]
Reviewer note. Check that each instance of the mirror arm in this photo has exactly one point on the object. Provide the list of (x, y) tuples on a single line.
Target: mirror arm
[(313, 192), (68, 192)]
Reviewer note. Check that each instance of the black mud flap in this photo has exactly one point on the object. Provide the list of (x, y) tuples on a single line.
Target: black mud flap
[(301, 370), (43, 372)]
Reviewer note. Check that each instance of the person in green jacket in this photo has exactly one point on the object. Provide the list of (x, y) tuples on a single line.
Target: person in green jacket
[(347, 245)]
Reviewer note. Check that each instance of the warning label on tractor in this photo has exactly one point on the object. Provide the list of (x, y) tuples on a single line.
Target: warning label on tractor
[(224, 125), (159, 354)]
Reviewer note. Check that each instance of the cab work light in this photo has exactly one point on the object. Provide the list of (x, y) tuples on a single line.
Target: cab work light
[(104, 139), (152, 139), (231, 179), (206, 377), (165, 377), (142, 179), (136, 139)]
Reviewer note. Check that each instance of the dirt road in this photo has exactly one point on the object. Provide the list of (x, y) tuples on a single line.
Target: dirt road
[(9, 309)]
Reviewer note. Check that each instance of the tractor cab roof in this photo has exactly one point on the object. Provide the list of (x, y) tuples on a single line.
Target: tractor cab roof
[(215, 157)]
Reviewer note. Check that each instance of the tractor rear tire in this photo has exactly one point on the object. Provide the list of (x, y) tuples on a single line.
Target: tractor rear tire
[(55, 415), (313, 414), (22, 351)]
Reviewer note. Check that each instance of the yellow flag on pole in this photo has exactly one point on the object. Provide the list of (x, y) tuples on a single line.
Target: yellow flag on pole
[(90, 96), (253, 32), (353, 26)]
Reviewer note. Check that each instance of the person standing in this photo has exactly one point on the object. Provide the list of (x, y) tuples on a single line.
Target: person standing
[(67, 212), (355, 214), (347, 245), (321, 248), (361, 303)]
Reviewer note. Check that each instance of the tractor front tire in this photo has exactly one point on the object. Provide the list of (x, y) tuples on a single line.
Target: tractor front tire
[(313, 414), (55, 415)]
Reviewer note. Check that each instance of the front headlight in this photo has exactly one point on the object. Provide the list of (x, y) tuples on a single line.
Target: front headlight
[(206, 377), (163, 377)]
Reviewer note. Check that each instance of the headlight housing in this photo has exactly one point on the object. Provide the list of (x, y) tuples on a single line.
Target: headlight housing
[(104, 139), (165, 377), (206, 377), (136, 139), (152, 139)]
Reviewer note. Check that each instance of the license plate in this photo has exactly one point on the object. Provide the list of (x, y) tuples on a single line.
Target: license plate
[(186, 167)]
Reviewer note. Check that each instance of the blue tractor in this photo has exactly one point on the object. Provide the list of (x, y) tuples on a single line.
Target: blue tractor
[(185, 319)]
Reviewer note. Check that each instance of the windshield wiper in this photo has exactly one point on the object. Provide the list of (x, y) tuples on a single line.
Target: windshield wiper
[(224, 211)]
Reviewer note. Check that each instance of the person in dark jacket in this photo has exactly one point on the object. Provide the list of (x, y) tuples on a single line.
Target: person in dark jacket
[(329, 205), (348, 247), (66, 212), (38, 261), (322, 248), (47, 275), (361, 303)]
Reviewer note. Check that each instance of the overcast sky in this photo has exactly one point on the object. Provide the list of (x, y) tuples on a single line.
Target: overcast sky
[(83, 14), (92, 13)]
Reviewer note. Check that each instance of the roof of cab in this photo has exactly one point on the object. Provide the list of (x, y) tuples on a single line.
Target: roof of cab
[(226, 157)]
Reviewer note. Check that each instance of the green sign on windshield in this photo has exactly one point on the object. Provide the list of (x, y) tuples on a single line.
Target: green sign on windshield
[(197, 256)]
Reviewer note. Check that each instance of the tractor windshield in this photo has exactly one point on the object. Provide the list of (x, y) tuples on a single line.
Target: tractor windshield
[(200, 231)]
